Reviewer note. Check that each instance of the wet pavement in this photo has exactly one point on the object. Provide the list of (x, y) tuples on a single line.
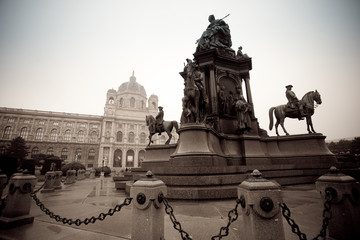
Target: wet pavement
[(201, 219)]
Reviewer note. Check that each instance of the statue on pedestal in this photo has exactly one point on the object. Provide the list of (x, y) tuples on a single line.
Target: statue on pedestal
[(243, 110), (217, 34), (195, 99), (293, 111)]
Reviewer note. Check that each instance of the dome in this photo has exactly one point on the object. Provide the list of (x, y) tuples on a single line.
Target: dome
[(132, 86)]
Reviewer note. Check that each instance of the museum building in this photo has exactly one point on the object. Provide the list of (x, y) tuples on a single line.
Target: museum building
[(116, 139)]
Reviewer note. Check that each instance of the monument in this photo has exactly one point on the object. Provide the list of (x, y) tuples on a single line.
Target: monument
[(220, 140)]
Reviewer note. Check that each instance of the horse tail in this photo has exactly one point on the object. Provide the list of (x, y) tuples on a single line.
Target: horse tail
[(271, 110), (175, 124)]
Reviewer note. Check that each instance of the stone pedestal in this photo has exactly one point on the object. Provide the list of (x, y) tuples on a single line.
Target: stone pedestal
[(70, 177), (57, 179), (92, 173), (148, 212), (49, 182), (18, 202), (3, 181), (345, 204), (260, 208)]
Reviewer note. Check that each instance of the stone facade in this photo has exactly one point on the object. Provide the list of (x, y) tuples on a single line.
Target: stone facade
[(116, 139)]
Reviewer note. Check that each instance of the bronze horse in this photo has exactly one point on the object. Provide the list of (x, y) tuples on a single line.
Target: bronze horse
[(168, 127), (282, 111)]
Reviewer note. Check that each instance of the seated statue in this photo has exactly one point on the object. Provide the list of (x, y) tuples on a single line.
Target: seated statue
[(217, 34)]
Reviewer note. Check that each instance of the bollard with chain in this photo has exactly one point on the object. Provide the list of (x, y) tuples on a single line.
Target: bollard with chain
[(57, 179), (70, 177), (18, 201), (260, 211), (49, 182), (148, 212), (341, 196)]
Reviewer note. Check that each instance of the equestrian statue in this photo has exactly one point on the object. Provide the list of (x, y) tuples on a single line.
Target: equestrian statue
[(295, 109), (158, 125)]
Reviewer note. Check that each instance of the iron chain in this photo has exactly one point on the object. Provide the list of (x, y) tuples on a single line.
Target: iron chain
[(329, 195), (232, 217), (177, 225), (78, 222)]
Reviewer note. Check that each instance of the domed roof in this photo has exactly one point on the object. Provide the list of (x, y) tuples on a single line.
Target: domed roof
[(132, 86)]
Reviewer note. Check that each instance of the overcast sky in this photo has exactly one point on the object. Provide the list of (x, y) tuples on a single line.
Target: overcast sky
[(64, 55)]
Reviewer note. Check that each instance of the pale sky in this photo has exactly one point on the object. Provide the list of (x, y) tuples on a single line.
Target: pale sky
[(64, 55)]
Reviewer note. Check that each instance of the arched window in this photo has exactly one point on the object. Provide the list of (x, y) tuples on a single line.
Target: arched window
[(93, 136), (142, 104), (111, 100), (119, 136), (7, 132), (50, 151), (81, 136), (34, 152), (121, 102), (67, 135), (64, 153), (117, 158), (24, 133), (153, 104), (53, 134), (132, 102), (91, 154), (39, 134), (131, 137), (142, 137), (130, 158), (78, 154)]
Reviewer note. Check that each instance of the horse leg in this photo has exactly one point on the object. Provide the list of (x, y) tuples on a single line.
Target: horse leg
[(309, 125), (170, 136), (150, 136), (276, 126), (282, 125)]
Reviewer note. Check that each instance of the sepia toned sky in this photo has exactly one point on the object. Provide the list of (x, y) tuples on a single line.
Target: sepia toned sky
[(64, 55)]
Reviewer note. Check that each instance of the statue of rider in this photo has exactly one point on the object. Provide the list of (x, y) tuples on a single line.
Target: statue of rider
[(293, 101), (159, 120)]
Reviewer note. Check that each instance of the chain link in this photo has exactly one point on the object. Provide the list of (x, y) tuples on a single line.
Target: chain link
[(329, 195), (78, 222), (232, 217), (177, 225)]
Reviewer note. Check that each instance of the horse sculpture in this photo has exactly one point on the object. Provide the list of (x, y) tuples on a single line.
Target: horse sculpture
[(168, 127), (283, 111)]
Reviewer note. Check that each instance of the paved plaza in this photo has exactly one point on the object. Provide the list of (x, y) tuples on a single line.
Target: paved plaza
[(201, 219)]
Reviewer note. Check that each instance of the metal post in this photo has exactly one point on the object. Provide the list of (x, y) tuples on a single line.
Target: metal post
[(18, 201), (148, 211), (344, 203), (260, 209)]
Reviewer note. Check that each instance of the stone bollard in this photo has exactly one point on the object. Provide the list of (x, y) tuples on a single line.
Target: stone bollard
[(80, 174), (3, 181), (260, 208), (148, 212), (49, 182), (18, 201), (57, 179), (92, 173), (70, 177), (344, 204)]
